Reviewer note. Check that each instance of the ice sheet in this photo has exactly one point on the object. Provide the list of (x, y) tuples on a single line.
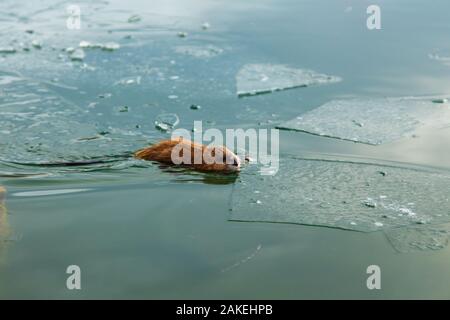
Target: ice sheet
[(353, 196), (39, 126), (418, 238), (371, 121), (255, 79)]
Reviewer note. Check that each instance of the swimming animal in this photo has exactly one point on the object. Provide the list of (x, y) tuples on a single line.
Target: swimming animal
[(197, 156)]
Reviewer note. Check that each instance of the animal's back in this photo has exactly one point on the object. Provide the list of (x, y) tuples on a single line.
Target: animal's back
[(220, 159)]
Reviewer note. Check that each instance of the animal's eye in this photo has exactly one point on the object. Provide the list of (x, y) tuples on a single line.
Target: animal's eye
[(224, 158)]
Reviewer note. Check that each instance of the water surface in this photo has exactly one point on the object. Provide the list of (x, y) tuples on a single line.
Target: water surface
[(138, 231)]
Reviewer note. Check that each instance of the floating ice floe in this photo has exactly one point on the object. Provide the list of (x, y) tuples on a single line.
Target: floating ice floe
[(346, 195), (36, 44), (208, 51), (134, 18), (440, 100), (371, 121), (77, 55), (129, 81), (255, 79), (166, 121), (443, 59), (7, 50), (109, 46), (420, 237)]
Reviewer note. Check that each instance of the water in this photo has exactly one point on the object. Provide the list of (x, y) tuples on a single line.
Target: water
[(140, 231)]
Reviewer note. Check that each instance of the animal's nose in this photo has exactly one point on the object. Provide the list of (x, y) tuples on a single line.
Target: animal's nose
[(235, 163)]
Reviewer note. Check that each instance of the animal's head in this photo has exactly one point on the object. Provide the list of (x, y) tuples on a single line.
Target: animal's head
[(219, 158), (205, 158)]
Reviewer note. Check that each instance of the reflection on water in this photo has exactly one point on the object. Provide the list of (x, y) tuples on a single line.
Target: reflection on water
[(4, 225)]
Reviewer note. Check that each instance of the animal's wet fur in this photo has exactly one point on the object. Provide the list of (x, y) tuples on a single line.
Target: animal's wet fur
[(225, 160)]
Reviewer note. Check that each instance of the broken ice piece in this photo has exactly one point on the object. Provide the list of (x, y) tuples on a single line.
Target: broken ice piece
[(134, 18), (105, 95), (384, 119), (330, 193), (7, 50), (369, 202), (443, 59), (129, 81), (36, 44), (90, 45), (255, 79), (124, 109), (77, 55), (359, 124), (110, 46), (84, 44), (69, 49), (419, 238), (442, 100), (378, 224), (166, 121)]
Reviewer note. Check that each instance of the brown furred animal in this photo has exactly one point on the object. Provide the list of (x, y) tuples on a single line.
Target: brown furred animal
[(187, 153)]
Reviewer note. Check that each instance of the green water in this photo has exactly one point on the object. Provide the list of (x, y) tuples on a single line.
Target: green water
[(138, 231)]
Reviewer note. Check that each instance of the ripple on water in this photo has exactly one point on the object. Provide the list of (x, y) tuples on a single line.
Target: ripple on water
[(41, 127)]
